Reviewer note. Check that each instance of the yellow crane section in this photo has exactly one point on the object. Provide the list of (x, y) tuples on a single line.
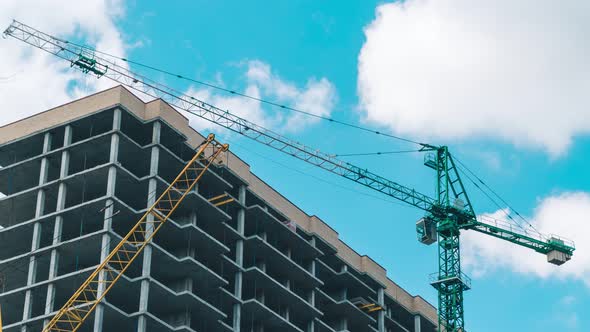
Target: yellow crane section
[(79, 307)]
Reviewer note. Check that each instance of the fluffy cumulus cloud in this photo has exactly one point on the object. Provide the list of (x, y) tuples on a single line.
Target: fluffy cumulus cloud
[(517, 71), (32, 81), (317, 96), (565, 214)]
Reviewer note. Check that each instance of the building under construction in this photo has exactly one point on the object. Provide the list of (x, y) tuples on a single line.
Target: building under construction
[(236, 256)]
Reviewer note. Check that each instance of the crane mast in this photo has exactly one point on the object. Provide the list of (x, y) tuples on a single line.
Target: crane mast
[(445, 216)]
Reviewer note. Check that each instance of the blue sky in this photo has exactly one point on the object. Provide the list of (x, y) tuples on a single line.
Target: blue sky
[(500, 82)]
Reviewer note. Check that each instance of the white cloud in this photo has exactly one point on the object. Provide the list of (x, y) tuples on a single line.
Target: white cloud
[(516, 71), (317, 97), (565, 214), (35, 81)]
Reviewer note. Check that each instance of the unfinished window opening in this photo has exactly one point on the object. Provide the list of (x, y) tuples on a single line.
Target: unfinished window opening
[(17, 278), (18, 208), (89, 154), (43, 260), (20, 178), (15, 242), (65, 287), (51, 193), (56, 138), (84, 220), (53, 166), (168, 166), (39, 294), (14, 312), (301, 291), (296, 319), (132, 192), (174, 142), (86, 186), (20, 150), (134, 158), (186, 152), (47, 227), (79, 254), (125, 296), (135, 129), (92, 125)]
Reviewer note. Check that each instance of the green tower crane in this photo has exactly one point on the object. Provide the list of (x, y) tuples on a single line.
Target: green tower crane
[(446, 215)]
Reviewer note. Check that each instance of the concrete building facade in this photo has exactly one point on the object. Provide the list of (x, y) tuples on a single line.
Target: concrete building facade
[(74, 180)]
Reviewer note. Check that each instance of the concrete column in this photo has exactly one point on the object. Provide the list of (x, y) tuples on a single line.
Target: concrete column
[(287, 282), (57, 228), (311, 296), (147, 251), (344, 296), (344, 323), (39, 209), (108, 213), (417, 324), (381, 314), (237, 310)]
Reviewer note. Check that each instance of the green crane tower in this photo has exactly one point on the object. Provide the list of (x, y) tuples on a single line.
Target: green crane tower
[(445, 216)]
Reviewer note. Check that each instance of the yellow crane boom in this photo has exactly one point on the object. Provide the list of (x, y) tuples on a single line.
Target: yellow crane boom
[(79, 307)]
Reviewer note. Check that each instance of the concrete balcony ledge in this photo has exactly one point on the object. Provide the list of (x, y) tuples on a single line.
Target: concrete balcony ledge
[(261, 313), (255, 246), (343, 279), (276, 290), (227, 298), (394, 325), (346, 309), (320, 326), (262, 219), (156, 324), (333, 310), (163, 300), (230, 266)]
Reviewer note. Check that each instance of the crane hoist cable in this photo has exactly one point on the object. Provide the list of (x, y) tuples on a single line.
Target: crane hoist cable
[(496, 194), (379, 153), (233, 92)]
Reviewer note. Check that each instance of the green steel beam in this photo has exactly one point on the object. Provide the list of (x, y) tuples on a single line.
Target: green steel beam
[(541, 244)]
